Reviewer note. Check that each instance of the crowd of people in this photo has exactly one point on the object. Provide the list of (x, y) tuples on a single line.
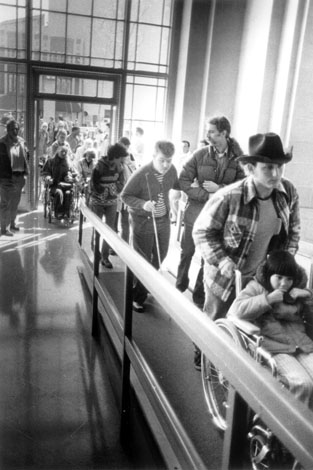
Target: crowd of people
[(240, 213)]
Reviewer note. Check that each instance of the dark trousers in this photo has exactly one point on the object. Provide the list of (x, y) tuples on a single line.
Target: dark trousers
[(109, 212), (145, 243), (123, 216), (10, 194), (186, 254)]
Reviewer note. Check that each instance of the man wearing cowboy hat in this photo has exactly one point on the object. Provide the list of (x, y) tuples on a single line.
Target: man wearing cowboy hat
[(246, 220)]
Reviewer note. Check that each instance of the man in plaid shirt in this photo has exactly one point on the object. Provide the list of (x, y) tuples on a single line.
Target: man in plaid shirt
[(246, 220)]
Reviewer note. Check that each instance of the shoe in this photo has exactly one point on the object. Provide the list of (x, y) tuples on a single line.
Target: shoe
[(112, 252), (7, 233), (106, 263), (14, 227), (138, 307), (197, 359)]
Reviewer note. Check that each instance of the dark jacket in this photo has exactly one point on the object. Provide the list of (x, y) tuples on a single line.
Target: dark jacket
[(285, 335), (136, 191), (59, 169), (107, 180), (202, 166), (5, 160)]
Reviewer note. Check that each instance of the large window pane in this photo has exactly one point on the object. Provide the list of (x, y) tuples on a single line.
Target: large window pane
[(12, 32), (107, 39), (109, 8), (148, 45), (78, 37), (83, 7), (152, 11), (13, 94)]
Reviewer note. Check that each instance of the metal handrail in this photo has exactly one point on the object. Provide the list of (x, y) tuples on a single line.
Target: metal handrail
[(290, 420)]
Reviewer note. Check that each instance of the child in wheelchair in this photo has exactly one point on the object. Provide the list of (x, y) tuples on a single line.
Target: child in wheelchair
[(60, 176), (278, 302)]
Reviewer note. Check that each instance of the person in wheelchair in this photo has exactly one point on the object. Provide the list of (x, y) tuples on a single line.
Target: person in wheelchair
[(277, 301), (60, 176), (85, 167)]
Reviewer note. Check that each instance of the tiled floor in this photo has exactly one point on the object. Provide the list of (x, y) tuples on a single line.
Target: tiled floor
[(57, 409)]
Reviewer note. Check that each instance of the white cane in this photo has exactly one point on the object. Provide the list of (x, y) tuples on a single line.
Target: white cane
[(154, 224)]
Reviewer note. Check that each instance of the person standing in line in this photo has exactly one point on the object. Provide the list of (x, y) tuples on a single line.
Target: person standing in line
[(208, 170), (13, 170), (74, 139), (245, 221), (176, 196), (60, 142), (107, 181), (128, 166), (139, 147), (146, 194)]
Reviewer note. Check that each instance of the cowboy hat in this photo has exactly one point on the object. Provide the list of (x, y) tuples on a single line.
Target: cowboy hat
[(266, 148)]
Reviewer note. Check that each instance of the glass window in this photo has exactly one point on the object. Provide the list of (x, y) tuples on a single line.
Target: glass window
[(78, 38), (76, 86), (148, 47), (109, 8), (107, 40), (84, 7), (13, 95), (12, 32), (151, 11)]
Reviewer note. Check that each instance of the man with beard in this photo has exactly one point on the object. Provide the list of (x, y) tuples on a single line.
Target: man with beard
[(146, 194), (209, 169)]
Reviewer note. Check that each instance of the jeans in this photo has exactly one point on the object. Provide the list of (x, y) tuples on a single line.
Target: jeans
[(144, 242)]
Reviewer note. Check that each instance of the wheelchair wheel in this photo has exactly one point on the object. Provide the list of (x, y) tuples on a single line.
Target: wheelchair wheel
[(215, 386)]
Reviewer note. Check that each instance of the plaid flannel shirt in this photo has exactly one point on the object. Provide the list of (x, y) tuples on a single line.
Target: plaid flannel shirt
[(228, 223)]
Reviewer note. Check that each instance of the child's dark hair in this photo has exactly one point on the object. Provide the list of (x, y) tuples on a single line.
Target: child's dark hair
[(280, 262)]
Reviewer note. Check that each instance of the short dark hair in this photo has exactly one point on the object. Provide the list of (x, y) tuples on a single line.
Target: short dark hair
[(280, 262), (166, 147), (11, 123), (124, 141), (140, 130), (186, 142), (117, 151), (221, 123)]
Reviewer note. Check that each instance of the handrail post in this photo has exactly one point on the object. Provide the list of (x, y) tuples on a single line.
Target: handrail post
[(128, 321), (80, 228), (95, 314), (235, 437)]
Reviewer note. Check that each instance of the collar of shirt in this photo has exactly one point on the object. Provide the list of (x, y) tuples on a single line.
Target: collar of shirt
[(250, 191)]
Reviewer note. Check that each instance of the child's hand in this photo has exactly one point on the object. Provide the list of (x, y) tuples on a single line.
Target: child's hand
[(297, 293), (276, 296)]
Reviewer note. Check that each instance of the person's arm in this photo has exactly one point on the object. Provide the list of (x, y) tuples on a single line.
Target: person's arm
[(293, 236), (208, 230), (187, 177), (120, 183), (251, 303), (133, 194)]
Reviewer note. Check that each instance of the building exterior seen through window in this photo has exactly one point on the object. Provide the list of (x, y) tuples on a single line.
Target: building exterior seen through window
[(106, 37)]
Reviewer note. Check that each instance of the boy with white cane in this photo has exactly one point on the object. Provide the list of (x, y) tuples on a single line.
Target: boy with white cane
[(147, 196)]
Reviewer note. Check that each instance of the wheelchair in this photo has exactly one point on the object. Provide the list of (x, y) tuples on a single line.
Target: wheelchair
[(68, 216), (265, 450)]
